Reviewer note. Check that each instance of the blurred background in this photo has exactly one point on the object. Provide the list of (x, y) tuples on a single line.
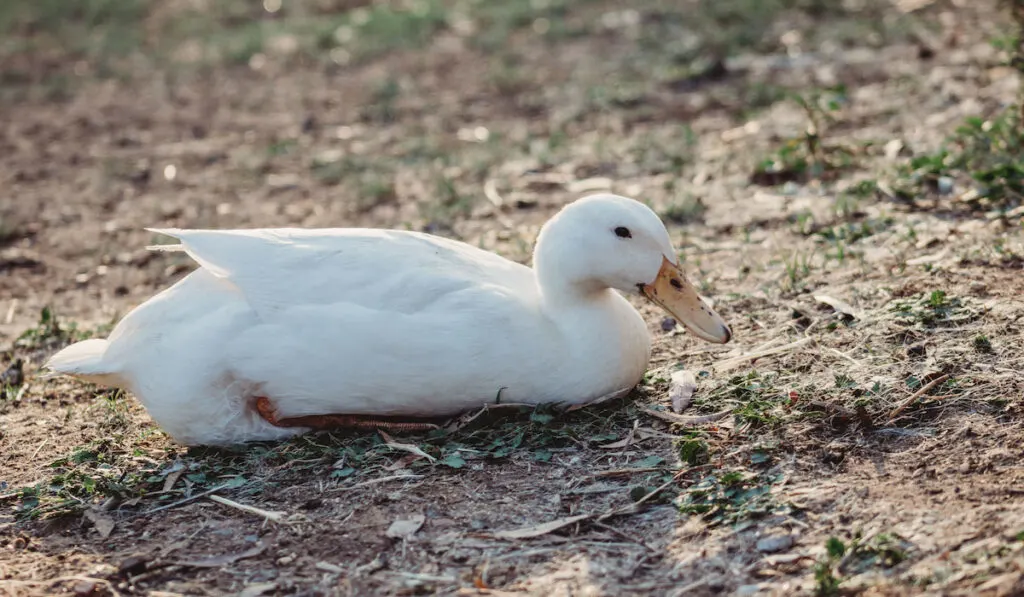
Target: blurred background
[(477, 119)]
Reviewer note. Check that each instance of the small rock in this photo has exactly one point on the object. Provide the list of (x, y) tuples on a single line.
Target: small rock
[(404, 528), (774, 543), (87, 588), (944, 185), (132, 566), (668, 324)]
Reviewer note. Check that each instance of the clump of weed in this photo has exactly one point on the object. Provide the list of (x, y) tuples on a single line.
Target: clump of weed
[(730, 497), (984, 155), (841, 559), (826, 583), (693, 451), (49, 333), (755, 398), (934, 309), (684, 210), (808, 156)]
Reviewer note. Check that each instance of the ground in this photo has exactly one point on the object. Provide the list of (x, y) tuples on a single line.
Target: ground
[(842, 180)]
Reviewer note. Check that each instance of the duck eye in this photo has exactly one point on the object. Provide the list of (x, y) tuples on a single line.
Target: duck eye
[(623, 232)]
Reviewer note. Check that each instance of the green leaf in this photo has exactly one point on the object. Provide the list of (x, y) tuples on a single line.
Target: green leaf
[(343, 472), (649, 462), (693, 452), (235, 482), (542, 455), (835, 548), (541, 418), (638, 492), (454, 461)]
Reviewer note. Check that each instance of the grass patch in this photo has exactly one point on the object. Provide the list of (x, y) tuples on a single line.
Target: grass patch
[(981, 163), (731, 497), (933, 309), (121, 467), (85, 29), (49, 333), (809, 156), (684, 210), (858, 555)]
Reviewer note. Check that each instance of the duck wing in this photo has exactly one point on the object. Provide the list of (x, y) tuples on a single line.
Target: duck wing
[(386, 270)]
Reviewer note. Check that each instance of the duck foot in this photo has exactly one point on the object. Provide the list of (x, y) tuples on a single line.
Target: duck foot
[(322, 422)]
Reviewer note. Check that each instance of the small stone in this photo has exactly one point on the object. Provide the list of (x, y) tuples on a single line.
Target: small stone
[(774, 543), (668, 324), (944, 185), (405, 527), (87, 588), (285, 560), (132, 566)]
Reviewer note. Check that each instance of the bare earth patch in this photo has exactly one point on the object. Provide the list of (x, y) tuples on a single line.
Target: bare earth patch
[(873, 440)]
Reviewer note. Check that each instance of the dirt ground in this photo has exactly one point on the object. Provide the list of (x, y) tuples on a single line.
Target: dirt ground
[(874, 441)]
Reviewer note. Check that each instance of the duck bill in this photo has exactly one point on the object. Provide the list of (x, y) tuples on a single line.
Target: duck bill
[(673, 293)]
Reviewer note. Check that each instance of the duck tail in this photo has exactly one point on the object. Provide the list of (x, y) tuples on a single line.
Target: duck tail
[(85, 360)]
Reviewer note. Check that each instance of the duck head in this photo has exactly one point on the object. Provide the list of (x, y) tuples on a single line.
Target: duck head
[(608, 241)]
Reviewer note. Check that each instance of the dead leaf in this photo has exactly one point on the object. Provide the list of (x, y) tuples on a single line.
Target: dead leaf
[(688, 421), (681, 388), (172, 479), (622, 443), (402, 528), (329, 567), (410, 448), (223, 560), (103, 523), (540, 529), (839, 306), (257, 589)]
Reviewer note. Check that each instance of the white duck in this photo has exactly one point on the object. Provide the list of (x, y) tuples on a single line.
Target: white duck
[(280, 327)]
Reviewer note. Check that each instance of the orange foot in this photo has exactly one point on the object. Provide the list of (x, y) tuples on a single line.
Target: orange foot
[(266, 410)]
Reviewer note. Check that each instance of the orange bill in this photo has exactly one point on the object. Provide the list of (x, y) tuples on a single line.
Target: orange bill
[(673, 293)]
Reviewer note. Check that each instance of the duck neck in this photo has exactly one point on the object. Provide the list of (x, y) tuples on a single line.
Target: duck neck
[(557, 263)]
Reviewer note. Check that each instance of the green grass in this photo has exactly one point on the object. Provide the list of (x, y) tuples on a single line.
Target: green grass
[(123, 468), (982, 159), (50, 333), (812, 155), (934, 309), (732, 497), (854, 557)]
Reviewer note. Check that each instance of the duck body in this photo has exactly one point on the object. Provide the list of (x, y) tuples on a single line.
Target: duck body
[(361, 322)]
